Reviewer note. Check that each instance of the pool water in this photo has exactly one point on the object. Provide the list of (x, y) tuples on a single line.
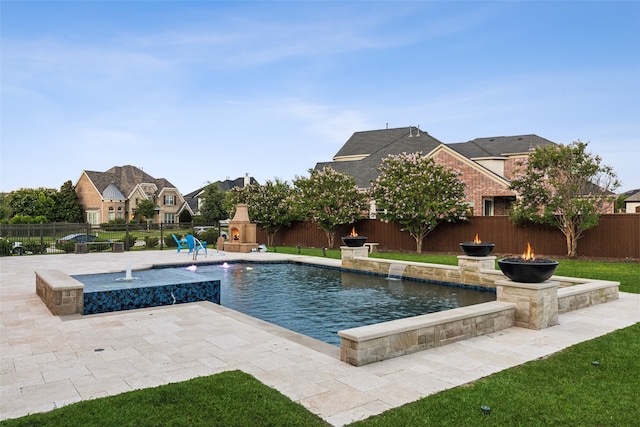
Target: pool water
[(314, 301), (319, 302)]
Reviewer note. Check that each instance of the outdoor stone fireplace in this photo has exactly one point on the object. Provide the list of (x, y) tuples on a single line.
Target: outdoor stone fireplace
[(242, 233)]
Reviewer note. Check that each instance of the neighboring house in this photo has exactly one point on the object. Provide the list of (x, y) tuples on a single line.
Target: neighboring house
[(632, 201), (194, 199), (485, 164), (115, 193)]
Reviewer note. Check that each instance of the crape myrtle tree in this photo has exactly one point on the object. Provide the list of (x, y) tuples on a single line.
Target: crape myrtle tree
[(415, 192), (329, 198), (270, 205), (564, 186)]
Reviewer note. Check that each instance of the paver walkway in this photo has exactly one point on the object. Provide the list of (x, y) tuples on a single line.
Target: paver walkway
[(48, 361)]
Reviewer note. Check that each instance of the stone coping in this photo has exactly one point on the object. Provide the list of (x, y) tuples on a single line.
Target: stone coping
[(586, 287), (58, 280), (536, 286), (379, 330), (424, 264)]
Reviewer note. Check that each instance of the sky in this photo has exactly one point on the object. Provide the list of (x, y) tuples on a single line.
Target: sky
[(201, 91)]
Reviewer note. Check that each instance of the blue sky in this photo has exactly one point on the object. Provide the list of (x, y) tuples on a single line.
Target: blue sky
[(196, 92)]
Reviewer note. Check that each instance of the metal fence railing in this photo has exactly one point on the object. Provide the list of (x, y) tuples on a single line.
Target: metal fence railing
[(56, 238)]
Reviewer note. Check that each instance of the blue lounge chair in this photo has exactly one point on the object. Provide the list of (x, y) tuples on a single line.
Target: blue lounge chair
[(182, 243), (195, 244)]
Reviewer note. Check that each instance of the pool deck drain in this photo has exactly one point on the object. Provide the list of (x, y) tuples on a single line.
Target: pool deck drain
[(49, 361)]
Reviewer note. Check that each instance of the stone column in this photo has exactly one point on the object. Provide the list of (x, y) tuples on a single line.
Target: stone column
[(349, 252), (536, 303), (470, 267)]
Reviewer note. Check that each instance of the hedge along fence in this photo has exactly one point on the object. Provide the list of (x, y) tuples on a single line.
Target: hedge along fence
[(616, 236)]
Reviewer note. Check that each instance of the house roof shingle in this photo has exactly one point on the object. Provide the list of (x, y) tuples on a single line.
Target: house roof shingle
[(499, 146), (125, 178), (375, 145)]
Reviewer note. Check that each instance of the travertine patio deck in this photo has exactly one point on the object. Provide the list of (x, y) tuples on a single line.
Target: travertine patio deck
[(48, 361)]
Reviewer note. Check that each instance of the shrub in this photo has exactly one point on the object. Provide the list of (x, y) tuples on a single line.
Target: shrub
[(5, 247), (33, 246), (169, 242), (114, 225), (67, 247), (130, 241), (151, 242), (28, 219), (210, 236)]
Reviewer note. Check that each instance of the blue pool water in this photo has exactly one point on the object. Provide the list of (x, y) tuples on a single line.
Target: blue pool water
[(319, 302)]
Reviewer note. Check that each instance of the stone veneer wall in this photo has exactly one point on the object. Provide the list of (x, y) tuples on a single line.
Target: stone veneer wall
[(472, 271), (60, 293), (586, 295), (373, 343)]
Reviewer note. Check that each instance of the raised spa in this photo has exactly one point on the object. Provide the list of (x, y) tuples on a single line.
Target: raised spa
[(317, 301)]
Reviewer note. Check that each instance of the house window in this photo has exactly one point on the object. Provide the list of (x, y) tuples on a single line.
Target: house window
[(488, 207), (169, 218), (92, 217), (170, 200)]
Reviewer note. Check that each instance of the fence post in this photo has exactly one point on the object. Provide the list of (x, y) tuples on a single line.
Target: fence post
[(126, 236), (161, 235), (41, 237)]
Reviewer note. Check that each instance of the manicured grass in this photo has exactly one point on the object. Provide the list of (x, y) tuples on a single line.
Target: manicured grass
[(231, 398), (330, 253), (564, 389), (627, 273)]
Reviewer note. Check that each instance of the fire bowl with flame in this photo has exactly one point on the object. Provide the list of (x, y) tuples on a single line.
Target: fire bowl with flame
[(528, 268), (477, 247), (353, 240)]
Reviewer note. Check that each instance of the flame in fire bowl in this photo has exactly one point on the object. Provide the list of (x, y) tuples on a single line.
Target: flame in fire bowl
[(528, 268), (353, 240)]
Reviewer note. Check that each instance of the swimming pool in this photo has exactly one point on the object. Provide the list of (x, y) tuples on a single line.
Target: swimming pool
[(319, 302), (311, 300)]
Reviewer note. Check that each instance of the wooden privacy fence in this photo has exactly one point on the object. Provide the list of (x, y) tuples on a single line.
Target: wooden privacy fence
[(616, 236)]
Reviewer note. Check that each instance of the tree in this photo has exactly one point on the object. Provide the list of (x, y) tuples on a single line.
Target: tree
[(146, 209), (270, 205), (418, 194), (329, 199), (67, 205), (5, 209), (213, 205), (33, 202), (564, 186)]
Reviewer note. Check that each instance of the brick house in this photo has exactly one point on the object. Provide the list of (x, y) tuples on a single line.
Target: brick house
[(486, 164), (115, 193)]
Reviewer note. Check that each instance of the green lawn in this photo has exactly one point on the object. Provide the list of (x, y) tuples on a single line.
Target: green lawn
[(564, 389)]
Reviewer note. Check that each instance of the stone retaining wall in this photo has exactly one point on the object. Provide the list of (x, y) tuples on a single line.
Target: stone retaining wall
[(533, 305), (587, 294), (373, 343)]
